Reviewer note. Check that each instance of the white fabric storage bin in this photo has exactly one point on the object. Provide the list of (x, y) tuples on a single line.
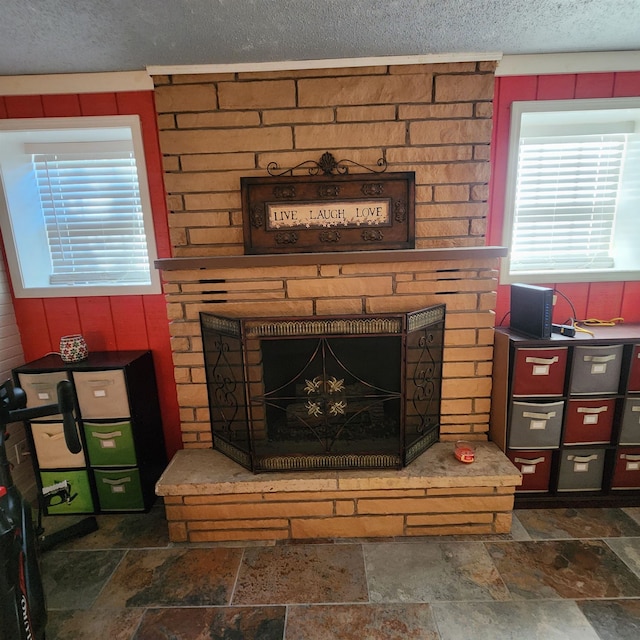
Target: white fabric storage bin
[(51, 448), (102, 394), (41, 388)]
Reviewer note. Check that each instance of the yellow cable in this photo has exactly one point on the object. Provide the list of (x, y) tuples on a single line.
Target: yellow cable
[(595, 322), (583, 330)]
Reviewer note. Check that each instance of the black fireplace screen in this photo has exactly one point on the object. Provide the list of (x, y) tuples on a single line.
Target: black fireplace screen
[(324, 393)]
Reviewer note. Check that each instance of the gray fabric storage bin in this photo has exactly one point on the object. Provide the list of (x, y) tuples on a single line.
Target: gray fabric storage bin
[(535, 425), (596, 369), (630, 432), (581, 469)]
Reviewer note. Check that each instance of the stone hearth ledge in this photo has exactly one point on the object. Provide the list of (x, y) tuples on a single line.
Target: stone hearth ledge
[(206, 472), (210, 498)]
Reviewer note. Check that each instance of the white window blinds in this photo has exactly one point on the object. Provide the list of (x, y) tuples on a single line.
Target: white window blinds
[(93, 217), (566, 194)]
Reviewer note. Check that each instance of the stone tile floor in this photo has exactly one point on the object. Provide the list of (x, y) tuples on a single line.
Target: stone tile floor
[(561, 573)]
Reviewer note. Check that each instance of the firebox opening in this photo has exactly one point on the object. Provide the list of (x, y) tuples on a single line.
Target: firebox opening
[(328, 396)]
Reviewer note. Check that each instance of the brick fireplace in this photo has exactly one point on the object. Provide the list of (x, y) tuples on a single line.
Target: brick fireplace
[(434, 120), (208, 500)]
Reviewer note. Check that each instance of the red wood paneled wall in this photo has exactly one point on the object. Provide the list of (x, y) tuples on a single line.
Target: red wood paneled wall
[(107, 322), (602, 300)]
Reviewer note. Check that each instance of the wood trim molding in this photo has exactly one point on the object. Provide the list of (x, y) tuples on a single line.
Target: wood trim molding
[(558, 63), (63, 83), (337, 63), (344, 257)]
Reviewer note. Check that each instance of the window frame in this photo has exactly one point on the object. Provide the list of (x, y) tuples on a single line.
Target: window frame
[(631, 267), (30, 285)]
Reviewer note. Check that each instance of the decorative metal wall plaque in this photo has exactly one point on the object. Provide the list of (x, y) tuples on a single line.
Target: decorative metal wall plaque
[(288, 214)]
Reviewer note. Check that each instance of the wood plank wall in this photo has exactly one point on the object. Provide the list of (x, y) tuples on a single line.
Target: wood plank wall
[(603, 300), (107, 322)]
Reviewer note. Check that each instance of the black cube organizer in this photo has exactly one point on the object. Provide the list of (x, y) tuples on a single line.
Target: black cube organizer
[(120, 427), (566, 411)]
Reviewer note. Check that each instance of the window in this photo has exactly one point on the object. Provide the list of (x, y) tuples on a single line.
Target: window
[(573, 191), (74, 208)]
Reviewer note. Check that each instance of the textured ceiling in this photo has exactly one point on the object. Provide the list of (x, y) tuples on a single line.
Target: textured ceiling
[(73, 36)]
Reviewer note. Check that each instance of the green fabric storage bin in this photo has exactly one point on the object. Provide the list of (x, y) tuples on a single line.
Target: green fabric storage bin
[(119, 490), (110, 445), (79, 489)]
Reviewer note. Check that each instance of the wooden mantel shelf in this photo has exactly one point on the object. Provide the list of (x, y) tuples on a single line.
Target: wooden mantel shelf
[(337, 257)]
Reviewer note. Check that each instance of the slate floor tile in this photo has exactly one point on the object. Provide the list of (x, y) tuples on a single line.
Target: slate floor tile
[(207, 623), (361, 621), (74, 579), (633, 512), (173, 577), (428, 572), (563, 569), (559, 620), (629, 550), (518, 531), (302, 574), (545, 524), (114, 624), (613, 619), (136, 530)]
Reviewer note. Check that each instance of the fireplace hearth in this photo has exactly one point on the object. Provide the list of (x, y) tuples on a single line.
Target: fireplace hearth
[(353, 392)]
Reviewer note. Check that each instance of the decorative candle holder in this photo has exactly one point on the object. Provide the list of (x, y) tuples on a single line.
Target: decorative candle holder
[(73, 348)]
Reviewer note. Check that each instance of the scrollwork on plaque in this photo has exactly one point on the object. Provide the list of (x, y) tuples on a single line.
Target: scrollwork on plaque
[(286, 237), (286, 192), (372, 235), (257, 216), (329, 235), (400, 211), (328, 165), (373, 189), (328, 191)]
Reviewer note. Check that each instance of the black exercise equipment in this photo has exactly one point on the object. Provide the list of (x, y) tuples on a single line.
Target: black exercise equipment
[(23, 613)]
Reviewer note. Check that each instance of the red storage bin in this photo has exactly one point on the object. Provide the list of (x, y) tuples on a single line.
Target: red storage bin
[(634, 374), (589, 421), (626, 474), (535, 467), (539, 372)]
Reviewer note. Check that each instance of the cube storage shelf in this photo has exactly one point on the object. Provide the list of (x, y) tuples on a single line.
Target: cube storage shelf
[(118, 419), (566, 411)]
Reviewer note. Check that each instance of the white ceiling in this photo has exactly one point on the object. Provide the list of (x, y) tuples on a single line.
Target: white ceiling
[(76, 36)]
